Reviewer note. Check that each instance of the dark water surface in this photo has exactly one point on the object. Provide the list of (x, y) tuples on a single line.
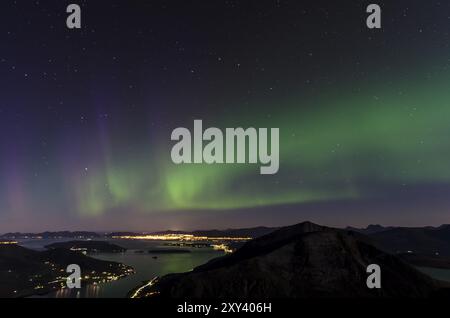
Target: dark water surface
[(145, 265)]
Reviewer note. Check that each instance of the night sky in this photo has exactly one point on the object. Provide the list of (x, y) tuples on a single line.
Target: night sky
[(86, 115)]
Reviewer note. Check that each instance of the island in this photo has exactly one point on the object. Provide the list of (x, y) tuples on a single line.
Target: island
[(88, 246)]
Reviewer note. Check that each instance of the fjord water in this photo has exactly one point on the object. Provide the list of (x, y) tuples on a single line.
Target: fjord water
[(146, 265)]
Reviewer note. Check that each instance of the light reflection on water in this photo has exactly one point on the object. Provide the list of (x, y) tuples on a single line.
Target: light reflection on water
[(145, 265), (90, 291)]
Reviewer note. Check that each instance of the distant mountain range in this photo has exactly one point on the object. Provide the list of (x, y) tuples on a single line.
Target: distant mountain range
[(303, 260), (253, 232), (370, 229), (245, 232), (51, 235), (420, 240), (428, 240)]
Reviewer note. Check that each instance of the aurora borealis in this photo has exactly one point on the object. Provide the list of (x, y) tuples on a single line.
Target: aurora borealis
[(86, 115)]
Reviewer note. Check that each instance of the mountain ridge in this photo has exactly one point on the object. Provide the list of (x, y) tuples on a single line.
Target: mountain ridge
[(303, 260)]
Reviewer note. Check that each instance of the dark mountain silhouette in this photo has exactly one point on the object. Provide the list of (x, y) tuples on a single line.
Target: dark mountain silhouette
[(370, 229), (253, 232), (304, 260), (423, 240), (51, 235)]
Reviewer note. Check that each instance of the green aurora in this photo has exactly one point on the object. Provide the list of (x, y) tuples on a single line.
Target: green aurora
[(391, 134)]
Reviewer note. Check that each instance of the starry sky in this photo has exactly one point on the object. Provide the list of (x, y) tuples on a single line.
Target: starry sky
[(86, 115)]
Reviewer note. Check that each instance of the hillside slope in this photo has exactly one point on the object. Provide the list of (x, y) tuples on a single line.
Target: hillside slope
[(304, 260)]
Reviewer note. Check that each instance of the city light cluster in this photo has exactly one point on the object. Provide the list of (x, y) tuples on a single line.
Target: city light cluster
[(222, 247), (180, 237), (8, 242)]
